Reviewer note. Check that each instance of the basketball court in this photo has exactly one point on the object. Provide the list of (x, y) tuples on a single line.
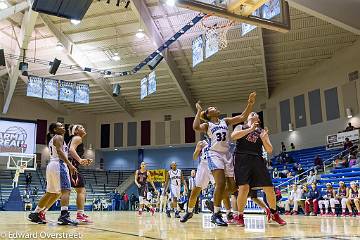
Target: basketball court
[(130, 226), (130, 72)]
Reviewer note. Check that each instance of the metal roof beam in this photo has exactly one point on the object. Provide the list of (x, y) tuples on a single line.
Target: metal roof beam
[(27, 27), (143, 12), (78, 58)]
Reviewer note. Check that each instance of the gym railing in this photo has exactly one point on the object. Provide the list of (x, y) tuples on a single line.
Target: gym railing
[(295, 178)]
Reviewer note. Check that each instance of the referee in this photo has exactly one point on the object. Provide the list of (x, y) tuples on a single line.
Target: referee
[(250, 167)]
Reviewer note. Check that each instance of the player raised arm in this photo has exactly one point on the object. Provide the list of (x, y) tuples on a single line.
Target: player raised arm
[(58, 143), (243, 117), (136, 178), (199, 147), (240, 133), (150, 180), (197, 125), (75, 142), (266, 140)]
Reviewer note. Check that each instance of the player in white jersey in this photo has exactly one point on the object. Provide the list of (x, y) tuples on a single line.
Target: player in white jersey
[(173, 181), (202, 178), (57, 177), (219, 158)]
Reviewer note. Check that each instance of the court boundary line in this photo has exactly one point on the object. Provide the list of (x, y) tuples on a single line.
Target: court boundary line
[(123, 233), (343, 237)]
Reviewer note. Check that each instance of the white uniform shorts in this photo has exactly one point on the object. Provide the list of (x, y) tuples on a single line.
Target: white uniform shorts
[(203, 175), (218, 160), (57, 177), (175, 191)]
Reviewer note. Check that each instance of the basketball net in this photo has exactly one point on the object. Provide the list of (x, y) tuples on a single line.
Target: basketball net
[(217, 30), (22, 169)]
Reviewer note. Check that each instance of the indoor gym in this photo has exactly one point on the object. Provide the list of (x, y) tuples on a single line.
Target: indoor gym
[(131, 72)]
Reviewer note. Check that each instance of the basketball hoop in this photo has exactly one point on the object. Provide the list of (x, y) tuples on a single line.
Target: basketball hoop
[(218, 30)]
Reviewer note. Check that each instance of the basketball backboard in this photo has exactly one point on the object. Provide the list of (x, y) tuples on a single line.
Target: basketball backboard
[(243, 11), (21, 160)]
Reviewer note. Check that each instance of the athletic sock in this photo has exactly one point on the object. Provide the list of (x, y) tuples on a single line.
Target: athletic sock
[(178, 209), (228, 211), (216, 209), (236, 213), (190, 210), (333, 210), (64, 208), (273, 211), (38, 209), (80, 211), (45, 210)]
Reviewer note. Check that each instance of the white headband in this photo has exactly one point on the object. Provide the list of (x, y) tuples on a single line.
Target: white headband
[(72, 132)]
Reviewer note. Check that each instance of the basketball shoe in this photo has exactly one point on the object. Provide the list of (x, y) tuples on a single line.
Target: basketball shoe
[(35, 218), (65, 219), (276, 217), (186, 217), (82, 218), (42, 216), (217, 219), (239, 220)]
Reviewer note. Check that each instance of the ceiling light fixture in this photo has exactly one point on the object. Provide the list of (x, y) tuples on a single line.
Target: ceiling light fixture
[(170, 3), (140, 34), (116, 57), (291, 128), (59, 46), (349, 113), (75, 21)]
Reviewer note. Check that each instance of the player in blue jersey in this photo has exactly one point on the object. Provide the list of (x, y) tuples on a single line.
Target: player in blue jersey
[(219, 157)]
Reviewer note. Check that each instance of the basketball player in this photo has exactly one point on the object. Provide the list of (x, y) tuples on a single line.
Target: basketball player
[(202, 178), (250, 167), (76, 156), (57, 177), (353, 198), (341, 196), (173, 180), (254, 197), (219, 157), (329, 197), (162, 198), (142, 177)]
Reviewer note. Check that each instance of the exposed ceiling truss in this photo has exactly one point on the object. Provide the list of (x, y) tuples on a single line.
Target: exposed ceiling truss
[(259, 61)]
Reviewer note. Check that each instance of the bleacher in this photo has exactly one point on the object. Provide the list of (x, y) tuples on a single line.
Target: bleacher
[(6, 179), (305, 157), (346, 175), (98, 183)]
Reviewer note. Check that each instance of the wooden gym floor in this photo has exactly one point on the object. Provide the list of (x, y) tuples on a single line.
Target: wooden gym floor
[(127, 225)]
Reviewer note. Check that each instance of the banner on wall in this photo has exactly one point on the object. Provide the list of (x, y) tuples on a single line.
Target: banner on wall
[(337, 140), (17, 137), (158, 175), (198, 50)]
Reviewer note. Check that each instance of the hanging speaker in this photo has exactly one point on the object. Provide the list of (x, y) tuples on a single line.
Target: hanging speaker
[(116, 90), (55, 66), (155, 61), (2, 58)]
